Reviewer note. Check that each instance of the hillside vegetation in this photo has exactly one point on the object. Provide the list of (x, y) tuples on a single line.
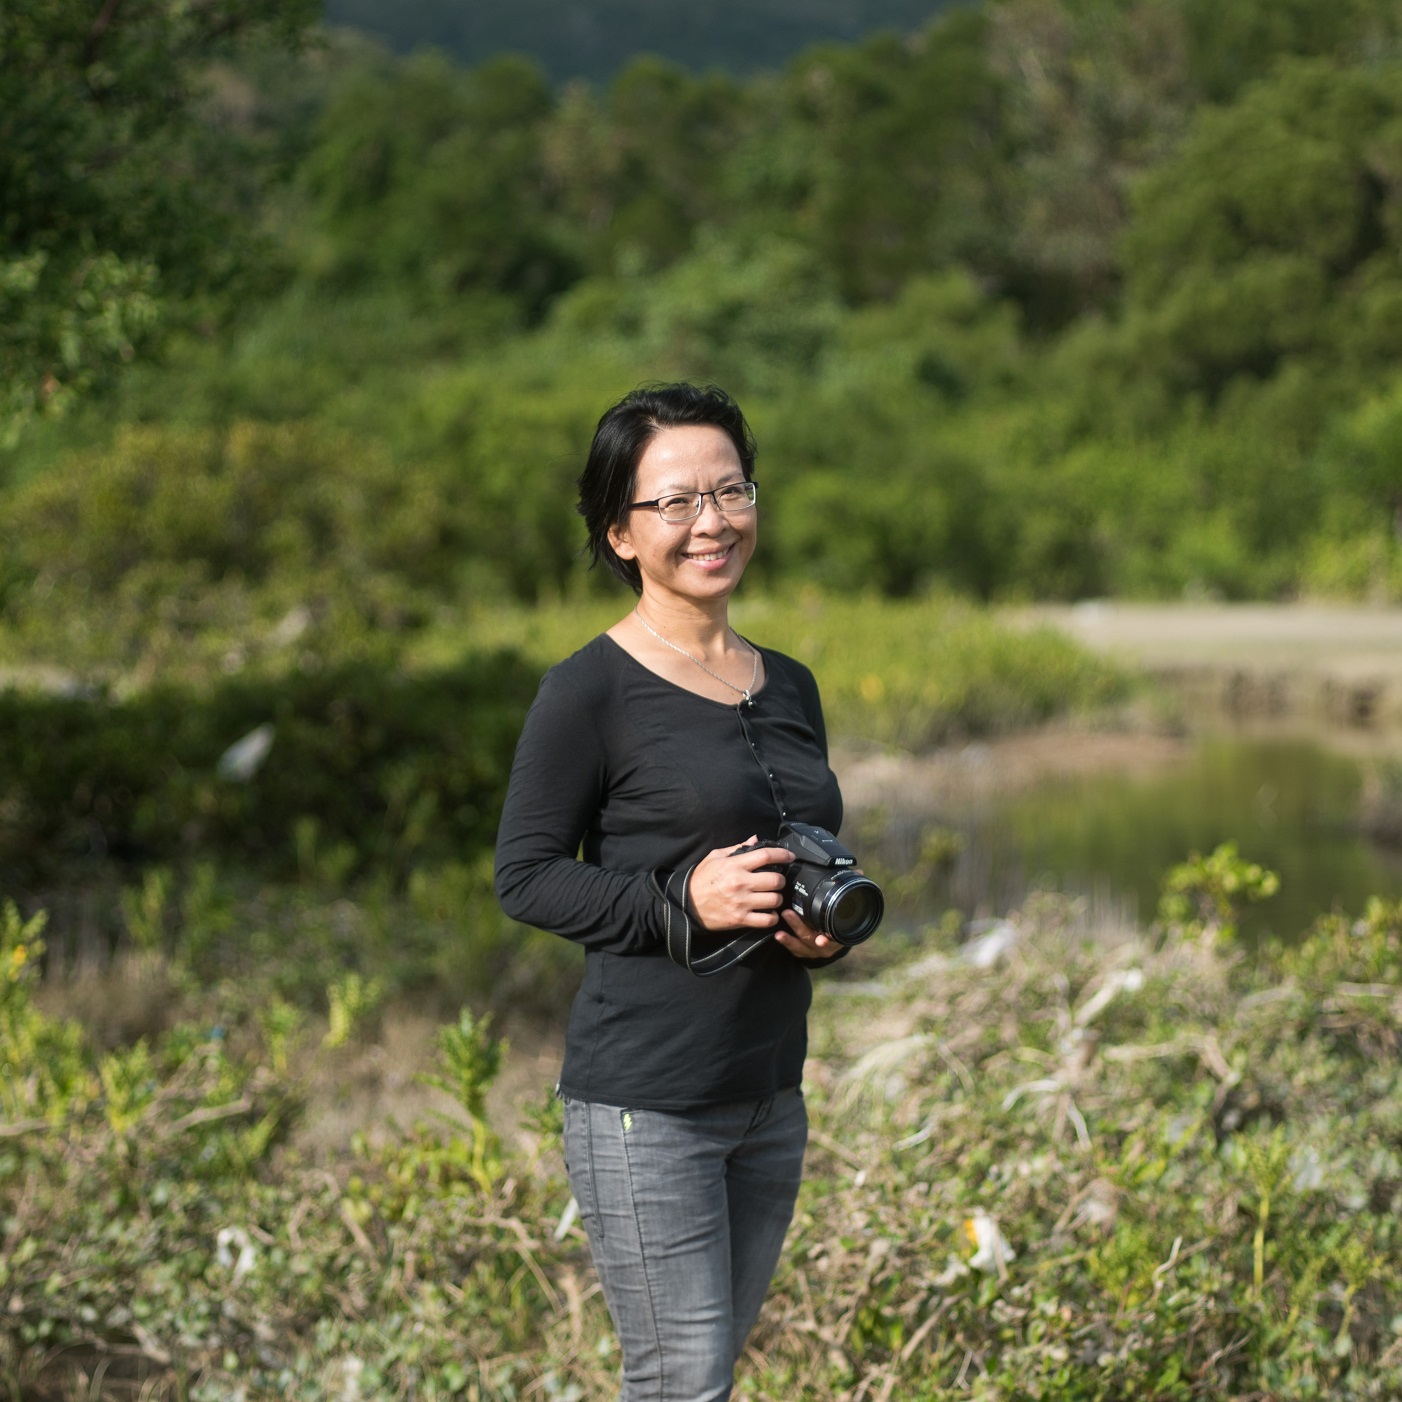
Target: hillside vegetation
[(1055, 299)]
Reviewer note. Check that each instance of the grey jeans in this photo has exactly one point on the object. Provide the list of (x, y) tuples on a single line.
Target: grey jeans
[(686, 1213)]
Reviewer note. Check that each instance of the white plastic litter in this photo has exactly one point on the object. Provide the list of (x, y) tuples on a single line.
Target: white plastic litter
[(244, 758), (985, 951), (226, 1243), (567, 1219)]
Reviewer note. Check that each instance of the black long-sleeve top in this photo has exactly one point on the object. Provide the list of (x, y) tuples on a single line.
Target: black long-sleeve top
[(622, 779)]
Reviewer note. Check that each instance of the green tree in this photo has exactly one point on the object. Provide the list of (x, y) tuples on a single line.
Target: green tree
[(748, 313), (1272, 235), (670, 137), (1230, 46), (110, 211), (1363, 456), (431, 177), (1095, 92), (887, 147), (1098, 92)]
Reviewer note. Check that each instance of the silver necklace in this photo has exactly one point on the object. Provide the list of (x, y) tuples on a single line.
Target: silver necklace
[(745, 691)]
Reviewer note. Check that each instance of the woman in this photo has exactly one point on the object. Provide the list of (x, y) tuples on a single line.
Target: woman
[(651, 762)]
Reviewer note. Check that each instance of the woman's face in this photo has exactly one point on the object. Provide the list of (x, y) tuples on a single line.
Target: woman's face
[(700, 560)]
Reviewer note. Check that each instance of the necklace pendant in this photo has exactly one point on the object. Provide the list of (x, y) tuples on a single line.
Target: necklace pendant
[(745, 700)]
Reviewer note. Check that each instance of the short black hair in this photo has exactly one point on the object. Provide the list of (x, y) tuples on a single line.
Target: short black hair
[(606, 485)]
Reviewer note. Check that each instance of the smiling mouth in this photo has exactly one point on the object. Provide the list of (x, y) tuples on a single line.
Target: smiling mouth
[(711, 556)]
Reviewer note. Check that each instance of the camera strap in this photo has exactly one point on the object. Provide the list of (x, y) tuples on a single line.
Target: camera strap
[(677, 928), (677, 923)]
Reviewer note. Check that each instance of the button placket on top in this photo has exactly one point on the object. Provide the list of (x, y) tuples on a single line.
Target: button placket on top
[(776, 790)]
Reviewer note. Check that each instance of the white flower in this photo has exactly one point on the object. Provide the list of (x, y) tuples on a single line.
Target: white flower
[(994, 1251)]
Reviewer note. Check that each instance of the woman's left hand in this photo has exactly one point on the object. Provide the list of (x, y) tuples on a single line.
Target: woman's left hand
[(803, 940)]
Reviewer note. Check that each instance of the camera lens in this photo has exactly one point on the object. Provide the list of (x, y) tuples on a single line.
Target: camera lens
[(849, 907)]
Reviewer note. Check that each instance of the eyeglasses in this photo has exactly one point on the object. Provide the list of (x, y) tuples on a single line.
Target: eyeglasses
[(733, 498)]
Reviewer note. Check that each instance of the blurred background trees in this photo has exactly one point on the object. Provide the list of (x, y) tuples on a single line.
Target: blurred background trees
[(119, 201), (1027, 298)]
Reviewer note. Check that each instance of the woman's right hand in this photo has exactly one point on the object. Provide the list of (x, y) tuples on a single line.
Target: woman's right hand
[(731, 890)]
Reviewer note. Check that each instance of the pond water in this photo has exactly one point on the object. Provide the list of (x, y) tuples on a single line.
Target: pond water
[(1293, 805)]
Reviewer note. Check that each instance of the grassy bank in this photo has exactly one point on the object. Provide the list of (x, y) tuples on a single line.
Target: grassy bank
[(909, 673), (1086, 1165), (356, 831)]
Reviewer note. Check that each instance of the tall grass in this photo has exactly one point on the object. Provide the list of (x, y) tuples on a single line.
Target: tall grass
[(1109, 1164)]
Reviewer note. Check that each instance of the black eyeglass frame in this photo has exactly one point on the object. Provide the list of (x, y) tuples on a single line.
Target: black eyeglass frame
[(748, 487)]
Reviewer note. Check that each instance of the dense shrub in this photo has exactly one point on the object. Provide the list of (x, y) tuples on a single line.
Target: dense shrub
[(169, 1160), (254, 502), (397, 768)]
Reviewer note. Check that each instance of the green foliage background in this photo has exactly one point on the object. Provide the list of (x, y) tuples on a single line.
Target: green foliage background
[(301, 345), (1048, 300)]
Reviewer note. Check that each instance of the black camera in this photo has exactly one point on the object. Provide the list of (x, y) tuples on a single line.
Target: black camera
[(822, 887)]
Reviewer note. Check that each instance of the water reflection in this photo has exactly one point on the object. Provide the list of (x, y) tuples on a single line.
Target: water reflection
[(1292, 805)]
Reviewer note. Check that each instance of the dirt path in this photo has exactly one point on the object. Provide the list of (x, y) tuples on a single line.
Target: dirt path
[(1337, 639), (1335, 665)]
